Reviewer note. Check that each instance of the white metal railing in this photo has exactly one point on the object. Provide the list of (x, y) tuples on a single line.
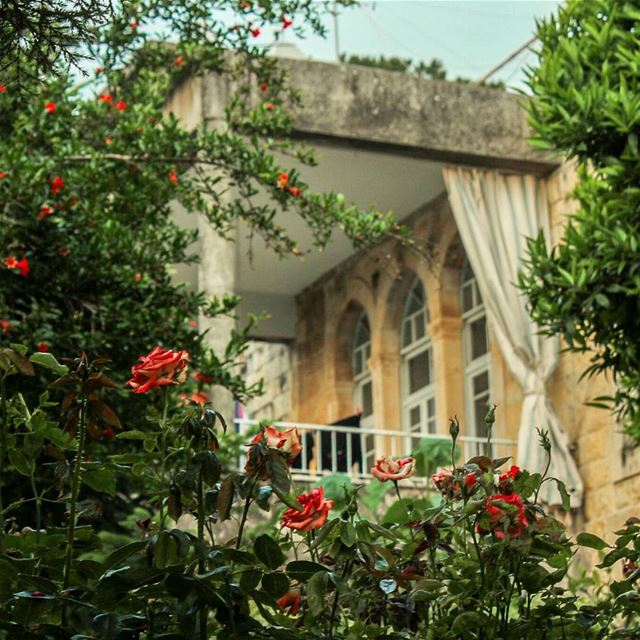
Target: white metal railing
[(328, 449)]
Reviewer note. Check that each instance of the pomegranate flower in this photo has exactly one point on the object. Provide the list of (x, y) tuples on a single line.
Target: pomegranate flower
[(45, 211), (21, 265), (159, 368), (121, 106), (315, 511), (387, 468), (57, 185), (50, 107)]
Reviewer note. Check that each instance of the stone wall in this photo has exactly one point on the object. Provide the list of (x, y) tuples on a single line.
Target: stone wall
[(376, 283), (271, 362)]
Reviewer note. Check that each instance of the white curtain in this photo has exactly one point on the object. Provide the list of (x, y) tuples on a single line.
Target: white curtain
[(495, 213)]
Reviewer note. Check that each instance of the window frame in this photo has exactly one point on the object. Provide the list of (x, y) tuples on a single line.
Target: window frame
[(423, 398), (473, 367)]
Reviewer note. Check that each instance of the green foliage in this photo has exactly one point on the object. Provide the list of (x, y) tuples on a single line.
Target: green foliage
[(485, 563), (433, 70), (586, 106)]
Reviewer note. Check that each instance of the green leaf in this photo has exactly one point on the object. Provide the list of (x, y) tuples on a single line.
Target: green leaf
[(468, 621), (123, 553), (100, 479), (275, 584), (348, 534), (564, 494), (48, 361), (591, 541), (302, 570), (250, 579), (165, 550), (224, 500), (268, 551), (316, 589)]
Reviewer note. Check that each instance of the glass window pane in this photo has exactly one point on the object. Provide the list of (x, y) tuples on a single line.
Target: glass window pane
[(467, 298), (407, 338), (414, 417), (357, 362), (431, 407), (418, 326), (478, 333), (480, 407), (367, 399), (419, 371), (478, 296), (480, 384), (415, 301)]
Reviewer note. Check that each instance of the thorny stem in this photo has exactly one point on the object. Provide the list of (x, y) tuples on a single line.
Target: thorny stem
[(75, 490), (347, 566), (3, 448), (406, 506), (245, 513), (163, 453), (202, 614)]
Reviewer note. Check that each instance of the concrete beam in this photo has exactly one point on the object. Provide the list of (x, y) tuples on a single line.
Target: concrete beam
[(399, 113)]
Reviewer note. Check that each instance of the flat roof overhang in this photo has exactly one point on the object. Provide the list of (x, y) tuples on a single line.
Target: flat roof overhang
[(382, 138)]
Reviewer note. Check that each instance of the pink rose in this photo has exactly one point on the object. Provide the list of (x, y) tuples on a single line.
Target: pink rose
[(387, 468)]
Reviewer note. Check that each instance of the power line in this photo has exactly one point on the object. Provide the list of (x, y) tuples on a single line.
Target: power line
[(508, 59)]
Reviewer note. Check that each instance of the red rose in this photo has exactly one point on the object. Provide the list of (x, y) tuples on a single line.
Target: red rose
[(3, 88), (286, 23), (45, 210), (470, 480), (50, 107), (173, 177), (106, 97), (200, 397), (57, 184), (290, 601), (387, 468), (510, 475), (203, 378), (315, 511), (255, 31), (159, 368), (121, 106), (506, 514), (43, 347), (283, 180)]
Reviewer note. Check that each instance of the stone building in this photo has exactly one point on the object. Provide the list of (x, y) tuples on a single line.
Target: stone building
[(409, 335)]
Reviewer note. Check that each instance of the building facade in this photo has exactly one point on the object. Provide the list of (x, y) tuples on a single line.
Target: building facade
[(404, 336)]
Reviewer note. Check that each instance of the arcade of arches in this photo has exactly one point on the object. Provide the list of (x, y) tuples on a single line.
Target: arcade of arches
[(417, 312)]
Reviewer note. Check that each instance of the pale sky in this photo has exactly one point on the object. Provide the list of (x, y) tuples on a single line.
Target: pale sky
[(469, 36)]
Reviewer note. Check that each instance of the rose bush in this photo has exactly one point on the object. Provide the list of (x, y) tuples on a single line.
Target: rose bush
[(470, 555)]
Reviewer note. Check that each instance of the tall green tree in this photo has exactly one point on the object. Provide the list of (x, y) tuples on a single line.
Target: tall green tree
[(586, 106), (90, 169)]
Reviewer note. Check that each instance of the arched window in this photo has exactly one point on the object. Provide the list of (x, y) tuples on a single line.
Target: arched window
[(362, 384), (475, 353), (363, 389), (418, 388)]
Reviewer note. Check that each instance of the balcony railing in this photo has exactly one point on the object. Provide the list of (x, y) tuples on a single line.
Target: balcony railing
[(328, 449)]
